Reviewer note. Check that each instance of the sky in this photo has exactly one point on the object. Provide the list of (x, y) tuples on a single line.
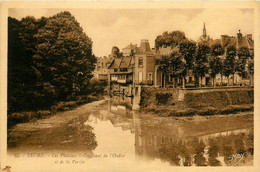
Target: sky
[(119, 27)]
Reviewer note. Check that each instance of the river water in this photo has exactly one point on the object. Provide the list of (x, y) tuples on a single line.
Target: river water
[(111, 136)]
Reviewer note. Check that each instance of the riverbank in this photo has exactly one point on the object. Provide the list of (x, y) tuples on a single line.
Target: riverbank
[(167, 111), (101, 126), (177, 102), (21, 131), (26, 116)]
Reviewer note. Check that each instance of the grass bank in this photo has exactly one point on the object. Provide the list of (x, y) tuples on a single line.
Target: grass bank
[(175, 102), (167, 111), (26, 116)]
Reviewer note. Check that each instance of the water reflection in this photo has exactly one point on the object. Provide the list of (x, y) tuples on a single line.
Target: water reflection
[(72, 136), (113, 127), (214, 142)]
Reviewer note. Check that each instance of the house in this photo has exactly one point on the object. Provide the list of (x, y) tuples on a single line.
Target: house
[(130, 49), (101, 71), (128, 72), (120, 73), (225, 42), (139, 65), (237, 42)]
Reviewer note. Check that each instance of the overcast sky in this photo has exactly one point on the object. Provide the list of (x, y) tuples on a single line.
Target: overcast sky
[(119, 27)]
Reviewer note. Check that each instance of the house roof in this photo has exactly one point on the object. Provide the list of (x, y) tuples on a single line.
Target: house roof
[(104, 61), (230, 41), (125, 62), (115, 64), (233, 41), (250, 43), (130, 46)]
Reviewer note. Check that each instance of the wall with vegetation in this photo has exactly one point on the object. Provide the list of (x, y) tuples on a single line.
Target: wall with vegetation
[(151, 97)]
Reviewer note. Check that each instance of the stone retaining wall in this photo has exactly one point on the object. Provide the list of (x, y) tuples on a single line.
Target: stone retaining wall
[(151, 97)]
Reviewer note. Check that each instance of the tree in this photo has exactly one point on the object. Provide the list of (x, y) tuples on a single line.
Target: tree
[(243, 53), (164, 64), (251, 69), (115, 52), (169, 39), (23, 75), (240, 64), (201, 62), (229, 62), (65, 53), (217, 50), (187, 50), (49, 59), (216, 66), (174, 65)]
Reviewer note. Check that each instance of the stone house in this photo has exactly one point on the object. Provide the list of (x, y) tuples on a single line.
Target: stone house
[(101, 69), (128, 72)]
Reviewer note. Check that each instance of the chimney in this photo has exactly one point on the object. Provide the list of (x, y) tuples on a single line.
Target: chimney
[(249, 36), (144, 46), (239, 36)]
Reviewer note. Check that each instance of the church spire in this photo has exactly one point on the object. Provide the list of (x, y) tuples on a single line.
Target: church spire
[(204, 31)]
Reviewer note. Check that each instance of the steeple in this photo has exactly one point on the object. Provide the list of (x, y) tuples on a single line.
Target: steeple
[(204, 31)]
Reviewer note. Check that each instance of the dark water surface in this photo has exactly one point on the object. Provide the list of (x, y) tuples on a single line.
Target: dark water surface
[(114, 131)]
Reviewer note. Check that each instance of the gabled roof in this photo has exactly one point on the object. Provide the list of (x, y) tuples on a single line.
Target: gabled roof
[(130, 46), (115, 64), (250, 43), (104, 61), (126, 62), (231, 41), (243, 42)]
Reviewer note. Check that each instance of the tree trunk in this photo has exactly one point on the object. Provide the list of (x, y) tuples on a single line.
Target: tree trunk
[(221, 82), (183, 82), (164, 79), (214, 84), (251, 80), (233, 79), (200, 81)]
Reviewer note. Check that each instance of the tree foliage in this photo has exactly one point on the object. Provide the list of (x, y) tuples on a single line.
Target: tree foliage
[(188, 50), (229, 63), (201, 66), (217, 50), (243, 58), (216, 66), (169, 39), (49, 59), (115, 52)]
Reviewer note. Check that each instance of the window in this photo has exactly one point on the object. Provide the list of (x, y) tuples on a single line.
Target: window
[(140, 62), (150, 76)]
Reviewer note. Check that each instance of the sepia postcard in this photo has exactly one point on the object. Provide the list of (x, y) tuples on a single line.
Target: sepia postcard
[(129, 86)]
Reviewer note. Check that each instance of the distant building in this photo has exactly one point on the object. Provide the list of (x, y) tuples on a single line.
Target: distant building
[(130, 49), (237, 42), (135, 69), (204, 37), (101, 71), (139, 65)]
